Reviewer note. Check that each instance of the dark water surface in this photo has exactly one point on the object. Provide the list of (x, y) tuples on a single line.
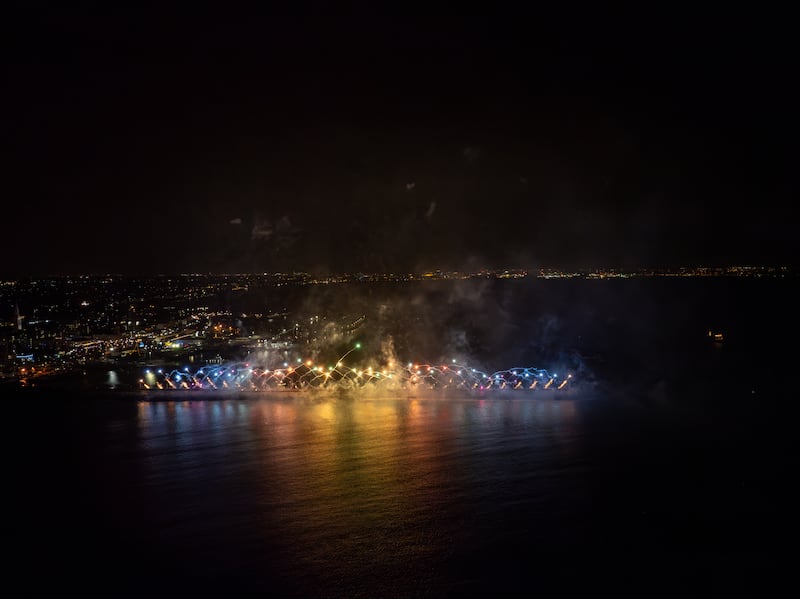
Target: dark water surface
[(674, 471), (395, 496)]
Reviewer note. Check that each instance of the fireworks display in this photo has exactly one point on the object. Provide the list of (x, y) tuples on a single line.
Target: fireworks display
[(308, 375)]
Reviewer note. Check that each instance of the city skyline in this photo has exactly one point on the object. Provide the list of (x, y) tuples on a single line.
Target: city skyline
[(53, 326), (739, 270)]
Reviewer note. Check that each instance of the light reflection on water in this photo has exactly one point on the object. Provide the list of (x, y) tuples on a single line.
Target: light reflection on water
[(355, 487), (394, 497)]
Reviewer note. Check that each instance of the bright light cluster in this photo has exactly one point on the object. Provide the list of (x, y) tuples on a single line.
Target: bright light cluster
[(305, 374)]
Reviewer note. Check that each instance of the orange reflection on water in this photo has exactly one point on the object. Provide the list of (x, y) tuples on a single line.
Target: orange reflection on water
[(352, 468), (360, 479)]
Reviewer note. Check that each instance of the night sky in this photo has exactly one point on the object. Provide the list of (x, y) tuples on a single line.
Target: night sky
[(219, 144)]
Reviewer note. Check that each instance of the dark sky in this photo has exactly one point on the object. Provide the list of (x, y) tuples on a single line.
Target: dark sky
[(221, 144)]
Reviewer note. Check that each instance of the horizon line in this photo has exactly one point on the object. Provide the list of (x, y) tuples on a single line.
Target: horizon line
[(573, 269)]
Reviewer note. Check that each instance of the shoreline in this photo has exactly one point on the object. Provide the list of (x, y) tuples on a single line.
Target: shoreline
[(181, 395)]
